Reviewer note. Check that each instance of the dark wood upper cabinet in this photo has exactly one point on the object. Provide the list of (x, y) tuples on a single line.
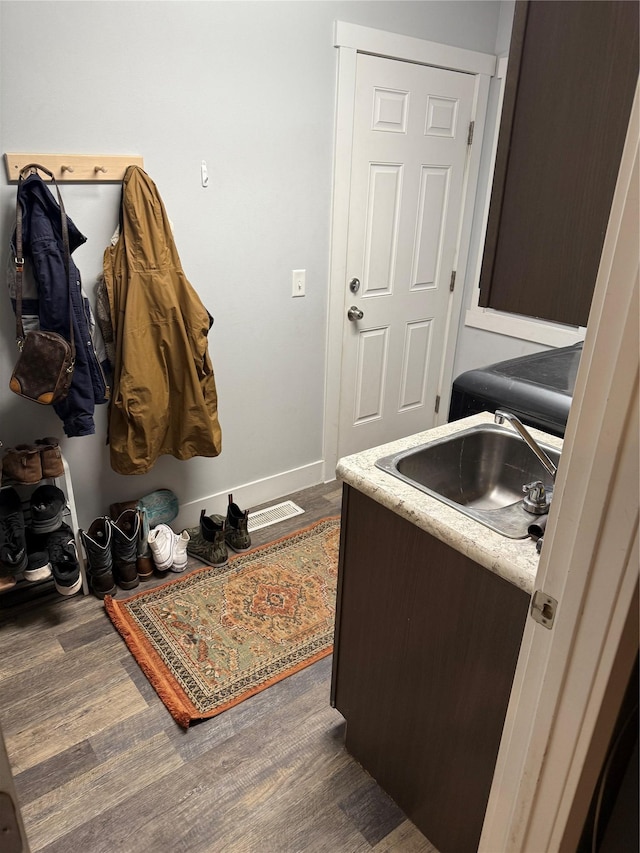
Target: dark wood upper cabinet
[(573, 70)]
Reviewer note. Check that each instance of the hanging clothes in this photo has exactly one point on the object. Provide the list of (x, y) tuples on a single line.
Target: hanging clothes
[(164, 398), (46, 302)]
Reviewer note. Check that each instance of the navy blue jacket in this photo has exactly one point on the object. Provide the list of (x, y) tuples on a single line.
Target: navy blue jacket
[(49, 309)]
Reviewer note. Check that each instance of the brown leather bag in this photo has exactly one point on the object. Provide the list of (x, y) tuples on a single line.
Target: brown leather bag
[(44, 370)]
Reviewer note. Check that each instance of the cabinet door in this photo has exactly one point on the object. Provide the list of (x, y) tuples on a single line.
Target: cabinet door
[(426, 647)]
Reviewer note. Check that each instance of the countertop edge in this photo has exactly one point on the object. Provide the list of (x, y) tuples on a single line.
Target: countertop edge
[(516, 561)]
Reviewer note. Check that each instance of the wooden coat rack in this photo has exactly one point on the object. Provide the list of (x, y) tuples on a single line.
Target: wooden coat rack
[(79, 168)]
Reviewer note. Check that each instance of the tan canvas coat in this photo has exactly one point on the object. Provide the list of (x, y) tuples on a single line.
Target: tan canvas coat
[(164, 398)]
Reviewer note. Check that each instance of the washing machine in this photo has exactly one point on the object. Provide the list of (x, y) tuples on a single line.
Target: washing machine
[(536, 388)]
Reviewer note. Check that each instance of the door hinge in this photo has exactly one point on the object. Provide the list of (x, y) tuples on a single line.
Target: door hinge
[(470, 137), (543, 608), (452, 283), (437, 404)]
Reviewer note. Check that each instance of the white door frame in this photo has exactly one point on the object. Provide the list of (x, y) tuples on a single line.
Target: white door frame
[(563, 686), (11, 822), (351, 39)]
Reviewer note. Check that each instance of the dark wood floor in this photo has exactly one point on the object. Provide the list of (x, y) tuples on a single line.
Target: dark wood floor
[(100, 765)]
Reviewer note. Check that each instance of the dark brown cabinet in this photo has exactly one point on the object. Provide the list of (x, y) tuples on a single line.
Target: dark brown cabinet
[(573, 71), (425, 652)]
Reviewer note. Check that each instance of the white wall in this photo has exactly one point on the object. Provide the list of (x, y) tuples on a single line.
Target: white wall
[(249, 87)]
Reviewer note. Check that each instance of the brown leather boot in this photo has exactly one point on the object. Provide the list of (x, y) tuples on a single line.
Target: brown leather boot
[(115, 510), (22, 463), (50, 457)]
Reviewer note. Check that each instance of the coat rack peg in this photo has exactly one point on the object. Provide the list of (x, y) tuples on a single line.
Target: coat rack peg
[(100, 169), (65, 168)]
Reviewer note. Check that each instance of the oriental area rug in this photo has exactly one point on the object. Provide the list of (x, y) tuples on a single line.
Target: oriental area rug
[(213, 638)]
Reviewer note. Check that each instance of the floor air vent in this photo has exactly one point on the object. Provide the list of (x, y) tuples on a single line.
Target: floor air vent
[(273, 514)]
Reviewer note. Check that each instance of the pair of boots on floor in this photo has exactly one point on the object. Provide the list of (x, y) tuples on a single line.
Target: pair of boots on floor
[(119, 555), (112, 553), (123, 552), (209, 541)]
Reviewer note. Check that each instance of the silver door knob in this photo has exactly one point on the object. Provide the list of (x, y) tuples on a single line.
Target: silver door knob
[(354, 313)]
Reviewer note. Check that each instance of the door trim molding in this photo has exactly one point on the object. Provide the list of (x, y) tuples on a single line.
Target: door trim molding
[(396, 46), (350, 40)]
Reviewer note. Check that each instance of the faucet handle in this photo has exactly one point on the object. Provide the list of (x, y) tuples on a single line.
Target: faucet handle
[(536, 500)]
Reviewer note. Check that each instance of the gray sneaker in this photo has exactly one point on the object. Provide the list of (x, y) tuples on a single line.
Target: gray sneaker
[(206, 542)]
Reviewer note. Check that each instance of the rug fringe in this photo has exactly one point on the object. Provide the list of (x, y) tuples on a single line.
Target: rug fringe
[(178, 706)]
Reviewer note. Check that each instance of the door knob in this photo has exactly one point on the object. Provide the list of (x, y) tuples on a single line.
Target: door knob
[(354, 313)]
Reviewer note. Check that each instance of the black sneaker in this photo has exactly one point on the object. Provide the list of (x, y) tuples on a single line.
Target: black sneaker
[(64, 560), (47, 505), (13, 547)]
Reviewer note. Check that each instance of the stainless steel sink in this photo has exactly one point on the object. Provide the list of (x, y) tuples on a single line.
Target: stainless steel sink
[(480, 472)]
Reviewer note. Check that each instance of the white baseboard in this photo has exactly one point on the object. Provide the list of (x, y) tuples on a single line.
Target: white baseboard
[(250, 494)]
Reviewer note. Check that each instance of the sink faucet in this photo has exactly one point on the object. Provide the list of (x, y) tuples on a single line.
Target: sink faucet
[(502, 416)]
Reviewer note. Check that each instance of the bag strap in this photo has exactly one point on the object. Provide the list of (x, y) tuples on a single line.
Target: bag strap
[(19, 258)]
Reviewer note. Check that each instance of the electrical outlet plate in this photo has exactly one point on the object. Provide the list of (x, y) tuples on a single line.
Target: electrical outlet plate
[(298, 282)]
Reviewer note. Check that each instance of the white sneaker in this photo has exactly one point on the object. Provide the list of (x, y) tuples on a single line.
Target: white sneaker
[(162, 543), (180, 552)]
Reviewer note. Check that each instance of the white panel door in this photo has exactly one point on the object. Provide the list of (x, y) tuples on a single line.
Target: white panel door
[(410, 144)]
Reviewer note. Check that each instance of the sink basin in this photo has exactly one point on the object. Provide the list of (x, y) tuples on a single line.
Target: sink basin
[(479, 471)]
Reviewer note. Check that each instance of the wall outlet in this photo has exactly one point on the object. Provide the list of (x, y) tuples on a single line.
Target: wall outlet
[(298, 282)]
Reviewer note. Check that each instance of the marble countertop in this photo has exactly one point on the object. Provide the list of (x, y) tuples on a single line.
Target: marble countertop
[(515, 560)]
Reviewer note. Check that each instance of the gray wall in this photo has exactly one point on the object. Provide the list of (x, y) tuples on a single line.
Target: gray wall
[(250, 88)]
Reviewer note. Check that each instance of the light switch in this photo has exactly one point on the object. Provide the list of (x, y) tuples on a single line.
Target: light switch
[(298, 282)]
